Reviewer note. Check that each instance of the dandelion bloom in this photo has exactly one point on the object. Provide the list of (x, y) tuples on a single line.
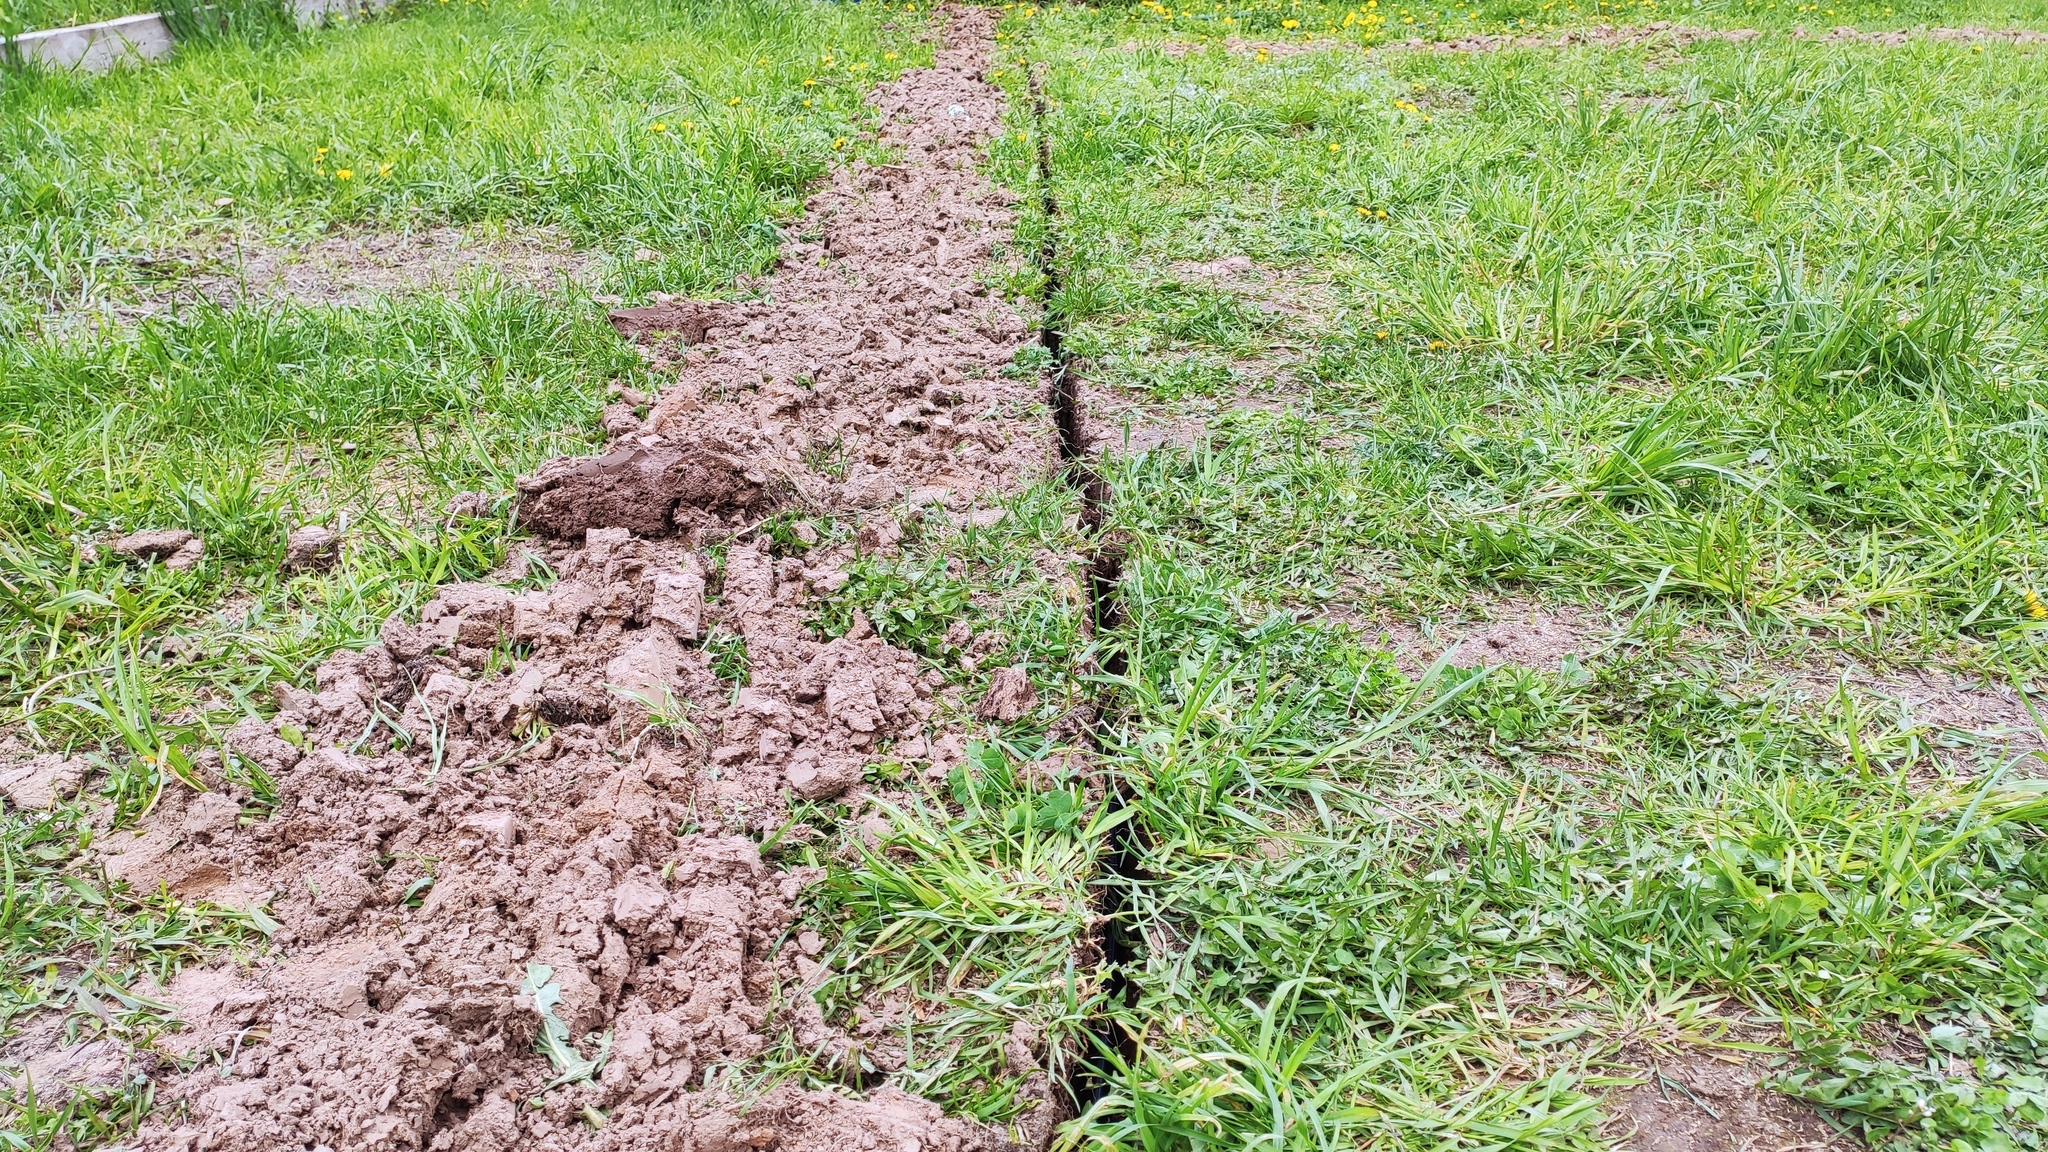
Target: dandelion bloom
[(1290, 23), (344, 174), (1336, 147), (659, 127)]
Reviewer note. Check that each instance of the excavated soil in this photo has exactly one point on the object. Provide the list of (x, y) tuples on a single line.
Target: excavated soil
[(534, 816)]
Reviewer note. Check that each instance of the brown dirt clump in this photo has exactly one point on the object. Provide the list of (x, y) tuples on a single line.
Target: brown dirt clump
[(532, 817)]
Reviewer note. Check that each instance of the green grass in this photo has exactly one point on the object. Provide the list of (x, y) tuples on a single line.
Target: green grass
[(1757, 328), (1738, 351), (685, 130), (18, 16)]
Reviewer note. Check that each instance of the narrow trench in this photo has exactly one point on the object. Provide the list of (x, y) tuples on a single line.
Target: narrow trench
[(1088, 1081)]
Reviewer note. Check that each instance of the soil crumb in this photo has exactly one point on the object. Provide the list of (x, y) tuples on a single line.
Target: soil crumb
[(1693, 1102), (531, 820)]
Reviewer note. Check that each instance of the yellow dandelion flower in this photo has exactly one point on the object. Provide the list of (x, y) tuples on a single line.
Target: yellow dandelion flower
[(1263, 55), (888, 55), (657, 126), (1435, 345), (1380, 335), (1336, 147), (1290, 23), (811, 82), (839, 143), (807, 103), (2035, 608), (733, 103), (344, 174)]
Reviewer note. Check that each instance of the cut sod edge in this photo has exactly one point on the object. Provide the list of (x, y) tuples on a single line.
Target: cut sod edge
[(1088, 1082)]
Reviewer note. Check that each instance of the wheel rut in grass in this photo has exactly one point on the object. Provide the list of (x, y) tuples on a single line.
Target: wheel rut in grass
[(517, 859)]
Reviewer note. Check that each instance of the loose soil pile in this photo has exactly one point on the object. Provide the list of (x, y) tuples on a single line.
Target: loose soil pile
[(476, 845)]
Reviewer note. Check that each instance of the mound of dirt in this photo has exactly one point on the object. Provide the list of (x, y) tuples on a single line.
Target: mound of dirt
[(527, 821)]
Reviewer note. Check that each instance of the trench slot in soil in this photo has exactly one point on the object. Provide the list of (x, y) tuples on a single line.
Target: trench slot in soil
[(1089, 1080)]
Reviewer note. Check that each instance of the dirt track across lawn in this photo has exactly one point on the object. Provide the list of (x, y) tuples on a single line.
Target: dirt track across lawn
[(543, 795)]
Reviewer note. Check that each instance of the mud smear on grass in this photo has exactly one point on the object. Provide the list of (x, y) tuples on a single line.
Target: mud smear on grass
[(476, 846)]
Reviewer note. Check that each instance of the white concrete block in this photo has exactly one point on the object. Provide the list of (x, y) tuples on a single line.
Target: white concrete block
[(100, 46)]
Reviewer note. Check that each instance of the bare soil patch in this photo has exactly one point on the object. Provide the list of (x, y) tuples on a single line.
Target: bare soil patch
[(358, 266), (1693, 1101), (537, 815), (1523, 632), (1974, 724), (1660, 34)]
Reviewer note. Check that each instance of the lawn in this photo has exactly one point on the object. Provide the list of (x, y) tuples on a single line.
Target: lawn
[(1719, 363), (1578, 504)]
